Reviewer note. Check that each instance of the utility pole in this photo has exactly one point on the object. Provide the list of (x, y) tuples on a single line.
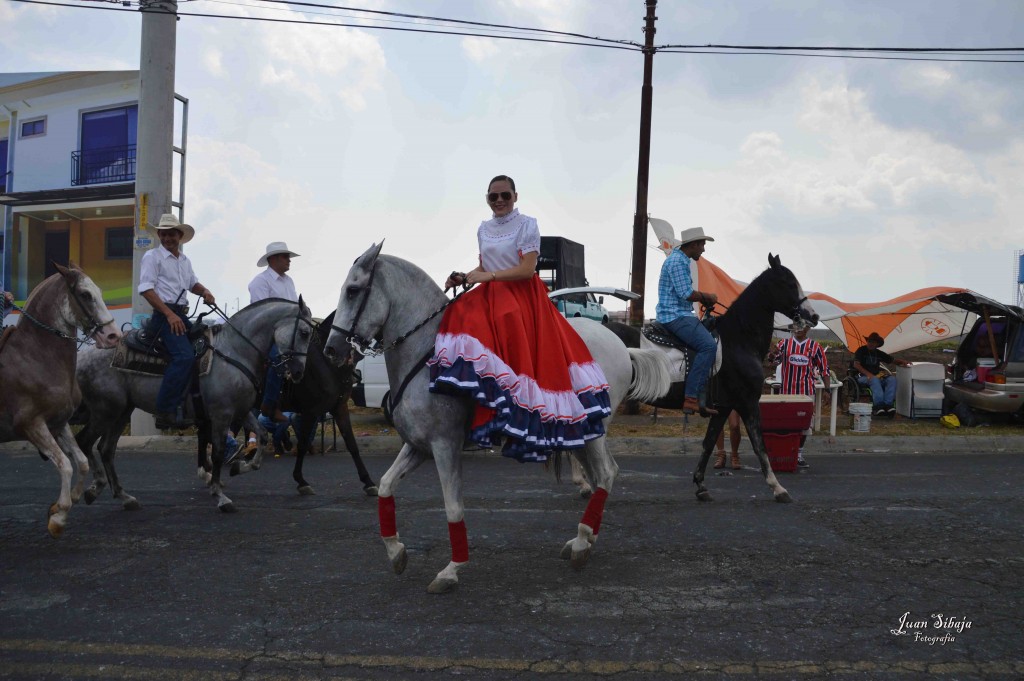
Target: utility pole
[(639, 264), (154, 147)]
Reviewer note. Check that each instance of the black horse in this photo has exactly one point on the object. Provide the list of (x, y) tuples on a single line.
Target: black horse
[(745, 332), (323, 389)]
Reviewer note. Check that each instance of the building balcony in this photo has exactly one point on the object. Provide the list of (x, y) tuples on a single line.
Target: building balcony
[(98, 166)]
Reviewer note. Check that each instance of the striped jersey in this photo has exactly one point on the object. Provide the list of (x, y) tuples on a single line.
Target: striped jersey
[(799, 358)]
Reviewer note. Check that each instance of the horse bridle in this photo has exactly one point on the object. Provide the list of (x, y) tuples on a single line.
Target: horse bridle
[(93, 324), (371, 347), (283, 358)]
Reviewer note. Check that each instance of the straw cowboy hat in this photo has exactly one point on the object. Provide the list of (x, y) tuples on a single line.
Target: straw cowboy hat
[(275, 248), (693, 234), (169, 221), (874, 337)]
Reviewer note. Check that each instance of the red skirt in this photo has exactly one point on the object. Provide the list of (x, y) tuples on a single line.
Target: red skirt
[(532, 376)]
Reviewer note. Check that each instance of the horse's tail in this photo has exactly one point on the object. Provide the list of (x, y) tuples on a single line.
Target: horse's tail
[(651, 375)]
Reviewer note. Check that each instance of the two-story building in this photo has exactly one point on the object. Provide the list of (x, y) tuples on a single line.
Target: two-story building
[(67, 179)]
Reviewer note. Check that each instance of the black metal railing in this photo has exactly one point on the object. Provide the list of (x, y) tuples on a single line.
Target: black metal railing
[(109, 164)]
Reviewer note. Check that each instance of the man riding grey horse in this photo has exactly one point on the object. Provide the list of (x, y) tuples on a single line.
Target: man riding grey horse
[(676, 296), (164, 277)]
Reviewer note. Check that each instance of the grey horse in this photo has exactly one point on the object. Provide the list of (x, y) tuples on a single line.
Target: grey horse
[(388, 298), (240, 346), (37, 372)]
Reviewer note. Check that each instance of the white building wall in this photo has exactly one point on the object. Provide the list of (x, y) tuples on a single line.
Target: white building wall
[(44, 162)]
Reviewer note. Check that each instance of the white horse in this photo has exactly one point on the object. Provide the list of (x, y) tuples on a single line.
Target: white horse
[(37, 372), (391, 299)]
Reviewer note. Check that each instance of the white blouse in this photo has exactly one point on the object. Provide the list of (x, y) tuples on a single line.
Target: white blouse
[(504, 240)]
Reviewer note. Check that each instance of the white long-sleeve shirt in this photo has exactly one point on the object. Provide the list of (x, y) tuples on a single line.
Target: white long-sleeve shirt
[(270, 284), (167, 275)]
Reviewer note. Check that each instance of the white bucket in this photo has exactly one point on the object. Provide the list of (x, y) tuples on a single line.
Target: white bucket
[(861, 417)]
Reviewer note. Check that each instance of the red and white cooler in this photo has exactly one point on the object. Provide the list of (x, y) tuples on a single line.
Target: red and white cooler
[(784, 418)]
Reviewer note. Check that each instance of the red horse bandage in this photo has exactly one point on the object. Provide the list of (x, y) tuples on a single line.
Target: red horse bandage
[(386, 514), (460, 543), (595, 510)]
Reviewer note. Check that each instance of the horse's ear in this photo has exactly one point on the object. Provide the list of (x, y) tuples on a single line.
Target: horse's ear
[(60, 268), (367, 259), (302, 305), (774, 261), (73, 266)]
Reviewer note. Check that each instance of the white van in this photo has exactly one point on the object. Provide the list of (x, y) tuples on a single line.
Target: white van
[(372, 388)]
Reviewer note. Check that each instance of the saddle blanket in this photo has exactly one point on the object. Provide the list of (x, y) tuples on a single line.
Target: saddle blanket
[(136, 362)]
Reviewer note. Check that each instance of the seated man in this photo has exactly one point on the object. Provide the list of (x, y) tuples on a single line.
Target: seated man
[(165, 274), (273, 282), (868, 363), (676, 296)]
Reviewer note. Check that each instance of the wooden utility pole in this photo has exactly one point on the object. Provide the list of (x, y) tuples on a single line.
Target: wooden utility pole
[(639, 264)]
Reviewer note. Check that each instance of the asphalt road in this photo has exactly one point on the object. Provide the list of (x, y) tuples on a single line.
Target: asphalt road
[(300, 588)]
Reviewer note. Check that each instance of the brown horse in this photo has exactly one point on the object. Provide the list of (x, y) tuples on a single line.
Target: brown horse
[(37, 372)]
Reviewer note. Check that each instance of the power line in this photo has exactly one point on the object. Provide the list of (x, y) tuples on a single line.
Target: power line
[(595, 41)]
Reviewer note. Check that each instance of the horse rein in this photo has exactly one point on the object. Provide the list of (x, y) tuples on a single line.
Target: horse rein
[(93, 325), (371, 347)]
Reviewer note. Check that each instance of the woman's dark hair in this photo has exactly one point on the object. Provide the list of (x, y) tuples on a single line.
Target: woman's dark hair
[(504, 178)]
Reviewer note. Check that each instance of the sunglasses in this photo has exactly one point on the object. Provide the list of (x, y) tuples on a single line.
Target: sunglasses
[(494, 196)]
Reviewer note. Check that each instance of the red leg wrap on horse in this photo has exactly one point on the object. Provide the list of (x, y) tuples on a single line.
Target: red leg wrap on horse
[(595, 510), (386, 513), (460, 543)]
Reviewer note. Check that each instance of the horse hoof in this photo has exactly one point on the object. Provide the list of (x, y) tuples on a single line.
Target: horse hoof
[(400, 561), (131, 504), (566, 553), (585, 493), (228, 508), (442, 585), (90, 496), (306, 491), (580, 558), (783, 498), (370, 490), (704, 496), (236, 469), (55, 529)]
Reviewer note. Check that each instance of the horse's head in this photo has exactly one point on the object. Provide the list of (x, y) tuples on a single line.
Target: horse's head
[(86, 309), (292, 336), (361, 311), (788, 295)]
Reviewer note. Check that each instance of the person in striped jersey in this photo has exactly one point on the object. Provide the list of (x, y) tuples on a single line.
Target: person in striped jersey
[(800, 358)]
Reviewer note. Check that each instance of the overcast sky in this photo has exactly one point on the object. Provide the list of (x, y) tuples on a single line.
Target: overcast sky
[(871, 178)]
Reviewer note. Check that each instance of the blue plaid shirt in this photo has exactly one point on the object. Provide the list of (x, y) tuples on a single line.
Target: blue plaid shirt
[(675, 285)]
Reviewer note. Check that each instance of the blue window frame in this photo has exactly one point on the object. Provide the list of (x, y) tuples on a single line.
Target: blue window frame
[(108, 146), (3, 165), (33, 128)]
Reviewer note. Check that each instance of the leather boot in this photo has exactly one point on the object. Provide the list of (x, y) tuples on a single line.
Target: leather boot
[(736, 465), (720, 459)]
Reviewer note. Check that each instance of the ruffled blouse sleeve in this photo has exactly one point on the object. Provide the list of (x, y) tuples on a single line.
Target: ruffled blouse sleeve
[(528, 240)]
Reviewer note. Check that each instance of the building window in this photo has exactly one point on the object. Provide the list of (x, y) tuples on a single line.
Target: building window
[(108, 146), (119, 243), (33, 128)]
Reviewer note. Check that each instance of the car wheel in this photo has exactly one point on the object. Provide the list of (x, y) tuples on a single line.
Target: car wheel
[(577, 315), (604, 320), (385, 404)]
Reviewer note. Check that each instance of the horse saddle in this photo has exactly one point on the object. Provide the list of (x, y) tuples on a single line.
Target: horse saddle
[(659, 335), (139, 352)]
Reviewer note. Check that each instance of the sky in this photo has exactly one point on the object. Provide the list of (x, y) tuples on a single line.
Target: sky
[(870, 178)]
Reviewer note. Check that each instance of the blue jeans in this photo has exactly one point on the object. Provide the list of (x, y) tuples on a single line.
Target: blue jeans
[(883, 390), (179, 371), (279, 429), (692, 332), (274, 383)]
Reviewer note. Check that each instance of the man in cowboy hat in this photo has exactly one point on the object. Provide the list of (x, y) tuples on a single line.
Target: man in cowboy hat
[(868, 363), (676, 296), (273, 282), (165, 274)]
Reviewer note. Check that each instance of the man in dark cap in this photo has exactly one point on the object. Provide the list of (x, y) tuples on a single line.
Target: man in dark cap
[(868, 363)]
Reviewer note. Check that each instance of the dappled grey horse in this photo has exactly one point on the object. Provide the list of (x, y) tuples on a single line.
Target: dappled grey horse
[(37, 374), (229, 391), (388, 298)]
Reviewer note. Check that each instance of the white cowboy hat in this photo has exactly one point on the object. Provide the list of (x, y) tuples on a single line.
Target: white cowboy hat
[(169, 221), (274, 248), (693, 234)]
